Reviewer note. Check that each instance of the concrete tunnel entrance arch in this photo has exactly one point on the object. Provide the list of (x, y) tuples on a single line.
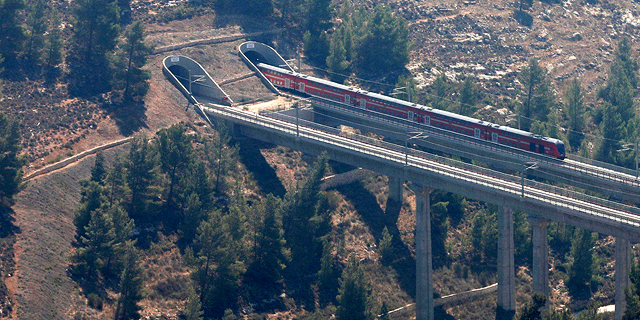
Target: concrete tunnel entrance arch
[(193, 80), (256, 57), (252, 53), (181, 73)]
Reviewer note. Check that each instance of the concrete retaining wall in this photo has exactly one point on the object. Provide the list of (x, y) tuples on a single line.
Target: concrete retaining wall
[(72, 159), (409, 309), (230, 38)]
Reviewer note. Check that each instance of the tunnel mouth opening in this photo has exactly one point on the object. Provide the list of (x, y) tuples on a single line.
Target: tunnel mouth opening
[(256, 57), (181, 73)]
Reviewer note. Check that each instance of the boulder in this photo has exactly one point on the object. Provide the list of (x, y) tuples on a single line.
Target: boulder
[(575, 37)]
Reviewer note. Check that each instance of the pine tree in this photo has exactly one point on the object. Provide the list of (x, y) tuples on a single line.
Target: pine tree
[(385, 45), (96, 247), (94, 38), (302, 221), (632, 293), (10, 160), (140, 174), (410, 88), (122, 224), (98, 172), (12, 33), (384, 312), (125, 11), (613, 132), (199, 181), (317, 46), (115, 182), (269, 252), (54, 43), (385, 245), (476, 232), (538, 94), (193, 309), (621, 89), (468, 96), (1, 71), (174, 148), (131, 57), (564, 314), (193, 216), (122, 228), (532, 311), (218, 269), (131, 286), (574, 106), (591, 313), (220, 156), (91, 200), (442, 88), (326, 276), (318, 15), (316, 40), (581, 267), (337, 60), (353, 300), (36, 28)]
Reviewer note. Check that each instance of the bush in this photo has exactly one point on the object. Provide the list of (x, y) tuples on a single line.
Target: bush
[(385, 247), (173, 287), (94, 301)]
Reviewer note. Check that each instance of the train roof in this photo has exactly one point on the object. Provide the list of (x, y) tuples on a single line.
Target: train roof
[(409, 104)]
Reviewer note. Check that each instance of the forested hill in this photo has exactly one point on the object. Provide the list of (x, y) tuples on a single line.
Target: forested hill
[(187, 222)]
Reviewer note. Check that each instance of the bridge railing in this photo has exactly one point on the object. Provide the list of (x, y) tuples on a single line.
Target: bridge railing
[(613, 174), (475, 174)]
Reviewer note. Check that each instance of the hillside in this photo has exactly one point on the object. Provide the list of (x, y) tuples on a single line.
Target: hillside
[(460, 38)]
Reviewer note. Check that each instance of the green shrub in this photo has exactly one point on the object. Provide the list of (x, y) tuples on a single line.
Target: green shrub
[(94, 301)]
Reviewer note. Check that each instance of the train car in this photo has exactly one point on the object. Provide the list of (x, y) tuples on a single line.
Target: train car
[(356, 98)]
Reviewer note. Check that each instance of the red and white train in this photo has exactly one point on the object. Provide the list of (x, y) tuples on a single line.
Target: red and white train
[(357, 98)]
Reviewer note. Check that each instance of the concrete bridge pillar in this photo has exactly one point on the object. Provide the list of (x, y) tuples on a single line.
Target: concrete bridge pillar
[(234, 130), (395, 189), (540, 255), (424, 268), (506, 265), (623, 265)]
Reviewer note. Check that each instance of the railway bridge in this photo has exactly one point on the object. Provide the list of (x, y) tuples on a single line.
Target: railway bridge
[(427, 172)]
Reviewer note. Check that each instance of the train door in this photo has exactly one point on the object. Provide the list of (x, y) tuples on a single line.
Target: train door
[(476, 133), (427, 120), (347, 99), (363, 103), (287, 83), (541, 149), (410, 115), (301, 87), (532, 146), (494, 137)]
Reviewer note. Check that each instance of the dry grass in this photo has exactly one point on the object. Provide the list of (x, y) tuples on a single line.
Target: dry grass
[(44, 215)]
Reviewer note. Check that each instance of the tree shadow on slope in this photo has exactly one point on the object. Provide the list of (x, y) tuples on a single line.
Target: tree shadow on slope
[(257, 165), (367, 206), (129, 118)]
